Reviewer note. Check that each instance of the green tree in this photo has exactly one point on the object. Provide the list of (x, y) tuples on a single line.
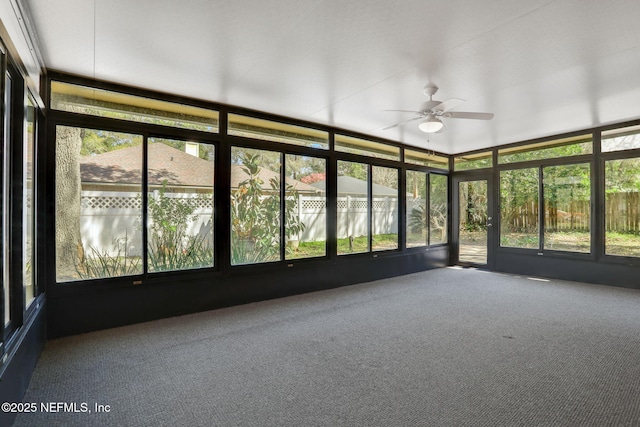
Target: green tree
[(255, 214), (98, 142), (170, 246), (354, 170)]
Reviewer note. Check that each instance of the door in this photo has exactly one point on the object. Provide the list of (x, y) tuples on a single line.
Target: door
[(473, 220)]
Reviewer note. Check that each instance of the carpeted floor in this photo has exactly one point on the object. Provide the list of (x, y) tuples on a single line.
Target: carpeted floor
[(449, 347)]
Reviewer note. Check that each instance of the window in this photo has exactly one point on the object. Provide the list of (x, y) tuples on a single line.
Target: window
[(519, 223), (17, 226), (566, 203), (363, 147), (98, 204), (438, 208), (268, 130), (305, 207), (367, 211), (384, 212), (28, 205), (567, 208), (180, 205), (6, 208), (416, 209), (622, 207), (255, 206), (473, 161), (426, 209), (353, 207), (426, 159), (621, 139), (565, 147), (103, 103)]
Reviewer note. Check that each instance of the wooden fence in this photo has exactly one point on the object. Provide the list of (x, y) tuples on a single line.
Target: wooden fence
[(622, 214)]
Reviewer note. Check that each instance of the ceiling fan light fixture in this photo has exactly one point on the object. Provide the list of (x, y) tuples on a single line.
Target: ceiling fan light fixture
[(431, 125)]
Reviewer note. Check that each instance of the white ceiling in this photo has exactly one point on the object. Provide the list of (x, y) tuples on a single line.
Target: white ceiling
[(543, 67)]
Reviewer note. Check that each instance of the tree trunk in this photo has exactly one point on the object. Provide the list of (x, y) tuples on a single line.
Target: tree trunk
[(69, 249)]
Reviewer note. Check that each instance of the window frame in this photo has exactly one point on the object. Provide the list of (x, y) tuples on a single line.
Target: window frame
[(145, 207), (430, 172), (370, 162), (325, 159), (540, 164), (427, 208), (223, 141), (449, 216), (34, 202), (398, 170), (362, 161), (14, 106), (6, 177), (107, 91), (146, 131), (498, 219), (271, 139), (542, 206), (603, 158), (13, 102), (280, 212)]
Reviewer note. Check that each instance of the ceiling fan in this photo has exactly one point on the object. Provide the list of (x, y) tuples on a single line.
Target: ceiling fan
[(432, 111)]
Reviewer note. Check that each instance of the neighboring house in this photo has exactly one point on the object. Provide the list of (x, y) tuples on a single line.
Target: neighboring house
[(111, 192), (120, 170)]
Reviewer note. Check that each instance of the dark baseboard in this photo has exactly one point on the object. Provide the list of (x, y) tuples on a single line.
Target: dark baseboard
[(586, 270), (89, 309)]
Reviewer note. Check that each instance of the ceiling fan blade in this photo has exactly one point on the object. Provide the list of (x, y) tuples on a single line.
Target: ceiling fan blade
[(405, 111), (448, 104), (468, 115), (401, 123)]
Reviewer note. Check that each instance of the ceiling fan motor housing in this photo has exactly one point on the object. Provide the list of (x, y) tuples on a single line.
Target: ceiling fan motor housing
[(430, 89), (428, 106)]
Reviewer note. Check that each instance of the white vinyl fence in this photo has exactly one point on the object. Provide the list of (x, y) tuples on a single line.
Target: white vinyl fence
[(352, 216), (107, 218)]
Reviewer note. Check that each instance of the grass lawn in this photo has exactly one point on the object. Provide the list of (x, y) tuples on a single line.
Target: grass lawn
[(307, 250), (621, 244), (360, 244), (572, 241), (624, 244)]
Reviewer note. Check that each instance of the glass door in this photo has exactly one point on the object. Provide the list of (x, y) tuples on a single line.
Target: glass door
[(474, 220)]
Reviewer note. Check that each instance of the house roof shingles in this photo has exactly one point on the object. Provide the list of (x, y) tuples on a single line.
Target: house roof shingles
[(165, 163)]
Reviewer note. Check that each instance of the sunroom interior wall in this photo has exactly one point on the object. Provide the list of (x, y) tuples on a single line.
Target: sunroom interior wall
[(592, 267), (24, 338), (224, 284)]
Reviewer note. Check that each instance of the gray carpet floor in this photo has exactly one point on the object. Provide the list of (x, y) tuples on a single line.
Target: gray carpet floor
[(449, 347)]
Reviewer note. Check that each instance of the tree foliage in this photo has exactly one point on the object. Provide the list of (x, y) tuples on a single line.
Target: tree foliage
[(255, 214), (170, 245), (354, 170)]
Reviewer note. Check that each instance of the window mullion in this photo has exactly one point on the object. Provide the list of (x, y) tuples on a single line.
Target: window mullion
[(541, 209), (145, 203)]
